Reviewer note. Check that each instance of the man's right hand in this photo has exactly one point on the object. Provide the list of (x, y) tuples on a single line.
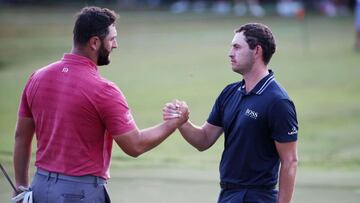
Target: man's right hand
[(176, 110)]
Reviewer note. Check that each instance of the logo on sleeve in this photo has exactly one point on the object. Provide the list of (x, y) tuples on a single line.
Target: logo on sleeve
[(129, 117), (252, 114), (293, 131)]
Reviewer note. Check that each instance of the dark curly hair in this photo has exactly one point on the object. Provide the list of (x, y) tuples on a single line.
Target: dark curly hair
[(92, 21), (259, 34)]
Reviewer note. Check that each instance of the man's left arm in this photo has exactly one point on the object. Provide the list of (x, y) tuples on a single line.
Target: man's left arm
[(288, 157), (22, 150)]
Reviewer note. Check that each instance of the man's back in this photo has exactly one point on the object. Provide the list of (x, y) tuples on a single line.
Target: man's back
[(67, 100), (76, 115)]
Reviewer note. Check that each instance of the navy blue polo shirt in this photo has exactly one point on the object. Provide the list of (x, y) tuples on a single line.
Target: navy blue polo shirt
[(252, 122)]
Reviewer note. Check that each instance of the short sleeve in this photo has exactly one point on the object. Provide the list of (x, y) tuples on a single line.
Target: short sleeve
[(215, 117), (216, 114), (283, 122), (24, 106), (114, 111)]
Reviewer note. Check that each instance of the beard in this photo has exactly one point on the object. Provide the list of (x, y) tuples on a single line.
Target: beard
[(246, 64), (103, 56)]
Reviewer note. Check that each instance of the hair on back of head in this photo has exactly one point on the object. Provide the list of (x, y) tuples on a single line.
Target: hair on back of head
[(92, 21)]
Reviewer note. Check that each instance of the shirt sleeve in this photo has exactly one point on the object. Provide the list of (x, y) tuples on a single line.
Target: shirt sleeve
[(283, 122), (215, 117), (24, 106), (115, 111)]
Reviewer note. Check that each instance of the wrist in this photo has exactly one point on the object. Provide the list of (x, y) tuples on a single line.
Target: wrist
[(183, 125), (171, 124)]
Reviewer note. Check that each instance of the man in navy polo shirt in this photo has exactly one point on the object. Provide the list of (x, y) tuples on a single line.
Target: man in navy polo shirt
[(258, 120)]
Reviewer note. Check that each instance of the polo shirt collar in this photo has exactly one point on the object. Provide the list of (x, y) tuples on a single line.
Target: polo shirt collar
[(79, 59), (261, 86)]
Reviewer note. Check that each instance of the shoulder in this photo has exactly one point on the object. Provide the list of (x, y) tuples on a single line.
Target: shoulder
[(276, 91), (278, 98), (106, 84), (231, 88), (276, 95), (109, 90), (233, 85), (43, 73), (46, 69), (228, 91)]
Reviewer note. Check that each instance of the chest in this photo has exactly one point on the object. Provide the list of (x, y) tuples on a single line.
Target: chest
[(244, 112)]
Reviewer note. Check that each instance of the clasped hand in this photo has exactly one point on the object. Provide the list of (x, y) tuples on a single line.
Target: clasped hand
[(176, 110)]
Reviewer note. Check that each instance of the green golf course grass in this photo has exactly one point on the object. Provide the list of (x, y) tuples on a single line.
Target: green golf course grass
[(162, 56)]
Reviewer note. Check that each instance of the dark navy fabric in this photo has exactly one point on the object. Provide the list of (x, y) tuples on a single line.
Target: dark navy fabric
[(252, 122), (248, 196)]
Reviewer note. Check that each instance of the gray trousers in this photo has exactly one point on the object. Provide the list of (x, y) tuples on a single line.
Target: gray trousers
[(49, 187)]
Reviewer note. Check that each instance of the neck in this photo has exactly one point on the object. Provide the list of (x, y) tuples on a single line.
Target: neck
[(254, 76), (83, 52)]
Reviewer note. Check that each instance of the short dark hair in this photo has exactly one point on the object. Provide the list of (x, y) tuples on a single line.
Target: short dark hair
[(259, 34), (92, 21)]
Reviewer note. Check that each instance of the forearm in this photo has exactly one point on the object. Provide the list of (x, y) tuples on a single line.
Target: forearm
[(152, 137), (194, 135), (287, 181), (21, 160)]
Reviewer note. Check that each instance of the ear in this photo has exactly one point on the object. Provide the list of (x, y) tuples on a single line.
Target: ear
[(258, 51), (94, 43)]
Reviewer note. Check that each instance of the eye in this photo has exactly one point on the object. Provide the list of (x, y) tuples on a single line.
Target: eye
[(236, 46)]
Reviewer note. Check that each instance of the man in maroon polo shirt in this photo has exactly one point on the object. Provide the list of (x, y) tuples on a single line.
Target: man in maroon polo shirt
[(76, 114)]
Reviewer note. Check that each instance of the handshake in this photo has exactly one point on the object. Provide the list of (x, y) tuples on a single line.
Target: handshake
[(176, 111)]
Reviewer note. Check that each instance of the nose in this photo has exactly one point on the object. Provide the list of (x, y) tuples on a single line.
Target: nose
[(230, 54), (115, 44)]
